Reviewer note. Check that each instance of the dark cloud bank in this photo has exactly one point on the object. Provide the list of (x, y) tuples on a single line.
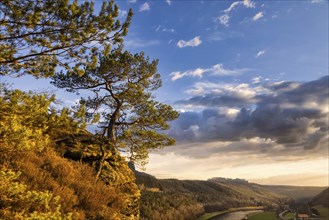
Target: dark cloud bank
[(292, 115)]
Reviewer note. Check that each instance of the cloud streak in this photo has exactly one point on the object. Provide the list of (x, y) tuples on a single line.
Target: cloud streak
[(260, 53), (258, 16), (164, 29), (217, 69), (225, 19), (244, 3), (196, 41), (138, 43)]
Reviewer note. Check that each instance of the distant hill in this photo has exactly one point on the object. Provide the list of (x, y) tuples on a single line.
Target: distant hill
[(298, 193), (187, 199), (322, 199)]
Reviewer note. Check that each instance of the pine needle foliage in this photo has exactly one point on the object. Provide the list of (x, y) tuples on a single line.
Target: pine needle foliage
[(37, 37)]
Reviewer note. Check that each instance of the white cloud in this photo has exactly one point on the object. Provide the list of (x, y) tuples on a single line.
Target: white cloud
[(168, 2), (258, 16), (256, 80), (197, 72), (192, 43), (216, 69), (249, 4), (232, 6), (245, 3), (144, 7), (132, 1), (260, 53), (224, 20), (168, 30)]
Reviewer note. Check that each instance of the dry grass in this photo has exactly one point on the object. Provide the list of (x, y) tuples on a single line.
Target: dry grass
[(74, 182)]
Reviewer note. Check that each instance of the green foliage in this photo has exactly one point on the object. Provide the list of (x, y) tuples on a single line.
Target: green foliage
[(22, 120), (39, 36), (27, 120), (122, 86)]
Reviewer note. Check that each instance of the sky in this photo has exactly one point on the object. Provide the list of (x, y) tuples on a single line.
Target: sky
[(250, 80)]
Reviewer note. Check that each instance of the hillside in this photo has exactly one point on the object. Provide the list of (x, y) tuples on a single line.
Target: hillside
[(322, 199), (47, 166), (298, 193), (187, 199)]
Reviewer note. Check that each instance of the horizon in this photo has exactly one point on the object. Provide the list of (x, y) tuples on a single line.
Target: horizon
[(250, 80)]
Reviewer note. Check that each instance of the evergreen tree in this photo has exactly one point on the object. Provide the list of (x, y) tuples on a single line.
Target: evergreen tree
[(37, 37)]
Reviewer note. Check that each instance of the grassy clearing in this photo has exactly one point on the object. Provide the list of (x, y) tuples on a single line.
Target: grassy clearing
[(289, 215), (262, 216)]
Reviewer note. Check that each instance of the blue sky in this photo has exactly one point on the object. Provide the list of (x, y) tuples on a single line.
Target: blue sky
[(291, 38), (250, 79)]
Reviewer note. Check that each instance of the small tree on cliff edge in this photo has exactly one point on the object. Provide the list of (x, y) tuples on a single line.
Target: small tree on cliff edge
[(121, 87)]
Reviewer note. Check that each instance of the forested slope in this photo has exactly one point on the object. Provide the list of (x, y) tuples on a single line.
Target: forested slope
[(322, 199), (187, 199), (298, 193)]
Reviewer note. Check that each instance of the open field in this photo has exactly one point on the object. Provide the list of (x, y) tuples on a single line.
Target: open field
[(262, 216)]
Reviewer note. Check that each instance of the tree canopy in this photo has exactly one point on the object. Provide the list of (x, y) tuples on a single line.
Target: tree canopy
[(37, 37), (122, 86)]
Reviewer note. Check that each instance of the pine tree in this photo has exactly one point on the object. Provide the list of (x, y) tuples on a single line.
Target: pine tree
[(121, 89), (38, 37)]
